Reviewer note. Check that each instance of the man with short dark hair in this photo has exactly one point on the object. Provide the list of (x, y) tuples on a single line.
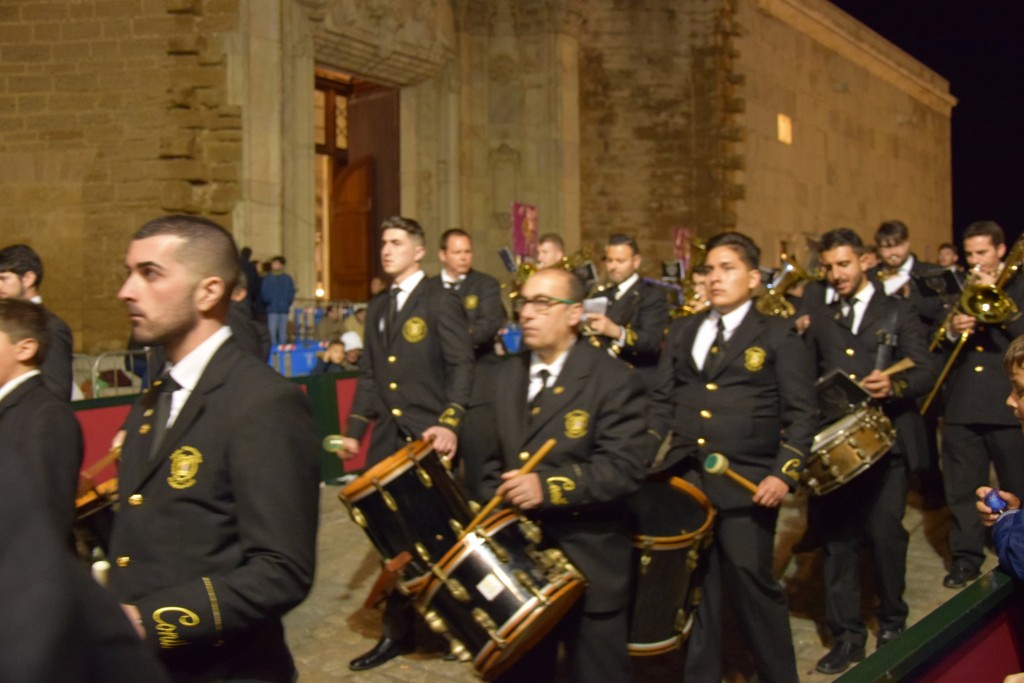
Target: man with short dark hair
[(593, 407), (215, 538), (550, 250), (35, 426), (21, 276), (739, 383), (862, 334), (634, 324), (979, 432), (417, 377)]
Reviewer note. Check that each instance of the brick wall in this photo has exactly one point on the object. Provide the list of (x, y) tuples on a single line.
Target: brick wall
[(112, 112)]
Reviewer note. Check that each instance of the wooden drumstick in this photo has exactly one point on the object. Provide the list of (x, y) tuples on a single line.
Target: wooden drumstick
[(716, 463), (525, 469), (898, 366)]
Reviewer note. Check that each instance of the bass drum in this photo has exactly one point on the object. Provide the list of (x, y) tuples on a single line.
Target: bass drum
[(409, 502), (673, 531), (847, 448), (496, 594)]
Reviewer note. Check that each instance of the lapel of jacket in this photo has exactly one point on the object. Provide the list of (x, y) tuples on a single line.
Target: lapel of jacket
[(14, 398), (741, 339), (408, 308), (620, 311), (689, 335), (213, 376), (571, 380)]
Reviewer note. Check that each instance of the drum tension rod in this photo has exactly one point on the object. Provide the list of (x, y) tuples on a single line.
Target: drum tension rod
[(529, 584)]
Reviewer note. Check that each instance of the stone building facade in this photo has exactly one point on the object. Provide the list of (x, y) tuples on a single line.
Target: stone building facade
[(608, 115)]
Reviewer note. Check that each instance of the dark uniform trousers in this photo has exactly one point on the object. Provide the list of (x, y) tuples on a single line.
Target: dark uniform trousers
[(415, 375), (871, 506), (595, 412), (980, 430), (760, 389)]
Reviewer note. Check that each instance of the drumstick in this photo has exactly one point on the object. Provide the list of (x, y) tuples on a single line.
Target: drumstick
[(898, 366), (85, 477), (716, 463), (525, 469)]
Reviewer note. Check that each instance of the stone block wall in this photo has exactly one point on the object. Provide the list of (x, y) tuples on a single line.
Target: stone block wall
[(112, 112)]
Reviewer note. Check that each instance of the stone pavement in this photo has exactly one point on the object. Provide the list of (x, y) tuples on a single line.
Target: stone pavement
[(331, 626)]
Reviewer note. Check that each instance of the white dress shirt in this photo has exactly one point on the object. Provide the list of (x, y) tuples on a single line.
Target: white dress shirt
[(705, 338)]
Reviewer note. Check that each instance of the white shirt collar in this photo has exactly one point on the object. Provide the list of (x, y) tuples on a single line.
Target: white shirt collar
[(189, 369), (17, 382), (865, 294), (554, 368), (907, 265), (448, 279), (409, 283), (626, 284), (732, 319)]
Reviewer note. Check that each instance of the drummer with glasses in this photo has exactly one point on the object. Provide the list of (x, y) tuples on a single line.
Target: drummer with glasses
[(593, 406), (863, 333)]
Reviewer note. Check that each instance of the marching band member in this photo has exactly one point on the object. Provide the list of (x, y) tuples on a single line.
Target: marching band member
[(594, 407), (417, 376), (862, 333), (215, 539), (637, 316), (736, 382), (978, 429)]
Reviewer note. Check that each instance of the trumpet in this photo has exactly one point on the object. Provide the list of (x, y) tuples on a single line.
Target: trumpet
[(773, 302), (989, 304)]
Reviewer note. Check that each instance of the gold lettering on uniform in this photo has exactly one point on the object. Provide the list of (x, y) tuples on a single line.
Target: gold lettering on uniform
[(184, 467), (168, 632), (556, 487), (414, 330), (753, 358), (792, 469), (144, 429), (471, 302), (576, 423), (630, 336), (449, 417)]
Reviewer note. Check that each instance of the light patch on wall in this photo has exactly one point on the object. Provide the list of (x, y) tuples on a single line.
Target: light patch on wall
[(785, 128)]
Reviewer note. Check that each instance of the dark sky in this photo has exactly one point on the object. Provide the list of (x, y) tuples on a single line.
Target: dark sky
[(978, 46)]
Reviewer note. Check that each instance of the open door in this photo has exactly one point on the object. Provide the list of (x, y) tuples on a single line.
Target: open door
[(352, 232)]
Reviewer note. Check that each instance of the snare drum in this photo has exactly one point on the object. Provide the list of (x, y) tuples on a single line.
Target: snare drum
[(94, 518), (674, 523), (495, 594), (847, 448), (409, 502)]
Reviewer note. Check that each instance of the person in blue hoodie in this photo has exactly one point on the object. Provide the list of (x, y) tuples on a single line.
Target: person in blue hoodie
[(277, 289)]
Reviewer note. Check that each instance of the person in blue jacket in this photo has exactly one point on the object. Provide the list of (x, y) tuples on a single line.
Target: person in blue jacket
[(277, 289)]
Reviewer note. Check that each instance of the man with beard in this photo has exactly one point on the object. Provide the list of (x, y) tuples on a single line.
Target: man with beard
[(215, 538)]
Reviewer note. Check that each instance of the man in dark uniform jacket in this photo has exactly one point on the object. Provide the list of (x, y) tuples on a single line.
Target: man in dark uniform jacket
[(979, 429), (637, 316), (35, 424), (480, 295), (21, 275), (57, 624), (594, 408), (417, 376), (865, 332), (736, 382), (215, 538)]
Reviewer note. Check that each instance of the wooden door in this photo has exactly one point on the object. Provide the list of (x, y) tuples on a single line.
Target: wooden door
[(352, 244)]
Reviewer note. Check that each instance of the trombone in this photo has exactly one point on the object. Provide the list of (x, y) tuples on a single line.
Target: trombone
[(773, 302), (989, 304)]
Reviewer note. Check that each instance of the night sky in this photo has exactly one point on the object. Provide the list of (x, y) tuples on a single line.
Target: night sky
[(978, 47)]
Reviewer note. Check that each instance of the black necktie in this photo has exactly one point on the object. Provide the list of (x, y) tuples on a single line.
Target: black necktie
[(389, 324), (611, 292), (846, 319), (717, 351), (544, 374), (165, 389)]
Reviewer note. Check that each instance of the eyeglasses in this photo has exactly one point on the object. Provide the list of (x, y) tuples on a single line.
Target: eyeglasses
[(541, 304)]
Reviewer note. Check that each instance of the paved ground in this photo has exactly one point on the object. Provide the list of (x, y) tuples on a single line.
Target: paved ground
[(331, 626)]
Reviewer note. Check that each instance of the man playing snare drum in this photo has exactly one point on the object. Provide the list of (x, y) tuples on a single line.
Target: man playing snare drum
[(863, 333), (593, 406)]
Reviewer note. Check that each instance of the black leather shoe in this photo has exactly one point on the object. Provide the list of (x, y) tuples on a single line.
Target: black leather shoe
[(840, 657), (959, 576), (384, 651), (886, 636)]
